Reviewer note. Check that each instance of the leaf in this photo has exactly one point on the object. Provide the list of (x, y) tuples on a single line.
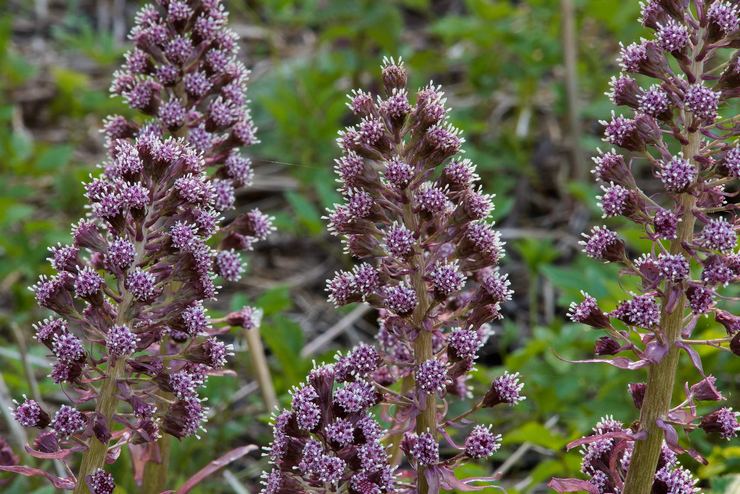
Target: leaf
[(285, 340), (572, 485), (275, 301), (535, 433), (213, 467), (305, 211), (58, 482), (54, 158)]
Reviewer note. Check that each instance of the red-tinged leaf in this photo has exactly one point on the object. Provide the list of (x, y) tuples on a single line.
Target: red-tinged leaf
[(671, 436), (56, 455), (620, 362), (655, 351), (572, 485), (59, 483), (693, 355), (599, 437), (214, 466), (452, 483)]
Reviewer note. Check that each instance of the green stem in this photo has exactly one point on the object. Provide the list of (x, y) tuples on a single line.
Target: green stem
[(426, 421), (94, 457), (662, 376), (155, 472)]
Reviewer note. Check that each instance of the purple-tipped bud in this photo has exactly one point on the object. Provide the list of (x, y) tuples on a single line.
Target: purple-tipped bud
[(723, 19), (355, 396), (588, 312), (642, 310), (624, 91), (618, 201), (672, 36), (394, 74), (120, 342), (100, 482), (340, 432), (631, 134), (722, 421), (673, 267), (399, 241), (718, 234), (644, 58), (30, 414), (431, 376), (68, 347), (68, 421), (655, 102), (606, 346), (120, 254), (705, 390), (401, 299), (637, 392), (505, 389), (665, 224), (366, 279), (463, 344), (603, 244), (701, 298), (398, 173), (228, 265), (446, 278), (677, 174), (142, 285), (611, 167), (425, 449), (702, 102), (87, 283), (184, 418), (341, 289), (482, 443), (195, 319)]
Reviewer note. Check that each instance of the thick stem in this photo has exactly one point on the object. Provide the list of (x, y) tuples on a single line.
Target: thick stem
[(155, 473), (662, 376), (94, 457), (107, 401), (426, 421), (260, 368)]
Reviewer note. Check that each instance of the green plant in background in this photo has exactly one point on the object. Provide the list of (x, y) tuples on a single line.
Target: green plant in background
[(496, 57)]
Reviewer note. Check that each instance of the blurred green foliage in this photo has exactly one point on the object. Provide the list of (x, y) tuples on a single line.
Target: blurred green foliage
[(501, 64)]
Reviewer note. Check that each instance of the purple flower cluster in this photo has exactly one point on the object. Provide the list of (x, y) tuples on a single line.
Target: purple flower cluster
[(328, 436), (607, 453), (677, 126), (132, 284), (418, 224)]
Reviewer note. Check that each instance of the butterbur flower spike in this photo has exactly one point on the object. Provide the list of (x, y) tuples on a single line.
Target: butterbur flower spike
[(682, 126), (417, 222), (132, 339)]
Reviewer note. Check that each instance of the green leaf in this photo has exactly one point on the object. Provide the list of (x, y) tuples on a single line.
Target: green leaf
[(54, 158), (274, 301), (305, 211), (535, 433), (285, 340)]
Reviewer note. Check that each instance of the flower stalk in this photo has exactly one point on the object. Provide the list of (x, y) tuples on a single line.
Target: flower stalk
[(692, 230), (131, 336), (415, 218), (260, 368)]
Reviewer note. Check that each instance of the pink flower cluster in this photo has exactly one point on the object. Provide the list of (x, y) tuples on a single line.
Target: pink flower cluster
[(675, 126), (416, 220), (132, 338)]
